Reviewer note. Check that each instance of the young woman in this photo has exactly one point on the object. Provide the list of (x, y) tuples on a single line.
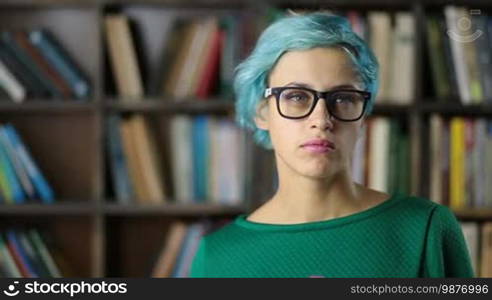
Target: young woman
[(305, 92)]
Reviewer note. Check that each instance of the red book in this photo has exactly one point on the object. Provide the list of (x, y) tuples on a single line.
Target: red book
[(210, 71), (18, 261), (49, 71)]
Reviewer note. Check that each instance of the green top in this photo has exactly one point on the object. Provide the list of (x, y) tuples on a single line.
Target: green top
[(401, 237)]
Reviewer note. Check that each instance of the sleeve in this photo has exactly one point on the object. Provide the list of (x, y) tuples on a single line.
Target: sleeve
[(198, 264), (446, 253)]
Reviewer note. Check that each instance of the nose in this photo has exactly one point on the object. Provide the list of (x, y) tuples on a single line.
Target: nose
[(320, 117)]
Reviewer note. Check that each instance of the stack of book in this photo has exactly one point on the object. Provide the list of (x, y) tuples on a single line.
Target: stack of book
[(24, 253), (459, 43), (381, 158), (461, 161), (478, 238), (197, 60), (21, 180), (206, 155), (34, 65)]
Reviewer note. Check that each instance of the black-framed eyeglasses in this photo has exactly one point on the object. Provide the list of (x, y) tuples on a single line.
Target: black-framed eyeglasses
[(299, 102)]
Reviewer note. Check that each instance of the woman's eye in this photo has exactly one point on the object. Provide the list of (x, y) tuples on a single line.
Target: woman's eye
[(297, 97), (344, 100)]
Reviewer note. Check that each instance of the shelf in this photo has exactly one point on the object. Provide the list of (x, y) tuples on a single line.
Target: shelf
[(172, 210), (455, 108), (160, 105), (50, 106), (64, 209), (392, 108), (474, 213)]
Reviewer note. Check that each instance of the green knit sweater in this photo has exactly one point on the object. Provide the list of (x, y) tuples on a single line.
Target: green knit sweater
[(401, 237)]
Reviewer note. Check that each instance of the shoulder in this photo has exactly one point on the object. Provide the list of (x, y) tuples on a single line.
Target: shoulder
[(221, 235)]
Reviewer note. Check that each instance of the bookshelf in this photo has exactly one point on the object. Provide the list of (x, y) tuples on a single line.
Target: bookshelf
[(67, 138)]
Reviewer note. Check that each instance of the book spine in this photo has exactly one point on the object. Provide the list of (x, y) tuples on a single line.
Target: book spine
[(42, 187), (54, 54)]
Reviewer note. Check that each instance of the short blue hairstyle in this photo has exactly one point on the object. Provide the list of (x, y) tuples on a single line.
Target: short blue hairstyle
[(297, 32)]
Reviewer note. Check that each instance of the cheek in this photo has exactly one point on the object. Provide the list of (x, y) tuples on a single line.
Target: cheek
[(347, 138), (283, 134)]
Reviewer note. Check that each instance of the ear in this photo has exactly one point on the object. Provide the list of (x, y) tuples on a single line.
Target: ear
[(261, 117)]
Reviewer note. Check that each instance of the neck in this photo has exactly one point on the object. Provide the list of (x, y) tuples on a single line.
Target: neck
[(304, 199)]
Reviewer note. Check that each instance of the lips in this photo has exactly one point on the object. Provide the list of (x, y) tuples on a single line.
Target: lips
[(319, 143), (319, 146)]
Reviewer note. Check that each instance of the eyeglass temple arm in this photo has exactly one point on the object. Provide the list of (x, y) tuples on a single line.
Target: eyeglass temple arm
[(268, 92)]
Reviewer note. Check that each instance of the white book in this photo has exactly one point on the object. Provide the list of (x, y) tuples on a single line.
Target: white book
[(479, 167), (215, 160), (231, 149), (381, 35), (455, 34), (185, 85), (436, 155), (11, 85), (488, 164), (471, 232), (403, 59), (359, 157), (182, 158), (379, 153)]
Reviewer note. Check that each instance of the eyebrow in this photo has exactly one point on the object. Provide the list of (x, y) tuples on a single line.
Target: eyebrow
[(306, 85)]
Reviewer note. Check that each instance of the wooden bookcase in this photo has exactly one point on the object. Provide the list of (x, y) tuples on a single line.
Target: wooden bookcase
[(101, 238)]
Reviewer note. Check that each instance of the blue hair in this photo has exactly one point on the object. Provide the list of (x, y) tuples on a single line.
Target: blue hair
[(296, 32)]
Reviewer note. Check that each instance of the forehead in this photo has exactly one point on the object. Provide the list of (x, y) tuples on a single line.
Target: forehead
[(320, 67)]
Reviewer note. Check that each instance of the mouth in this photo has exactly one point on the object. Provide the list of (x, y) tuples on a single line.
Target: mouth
[(323, 146)]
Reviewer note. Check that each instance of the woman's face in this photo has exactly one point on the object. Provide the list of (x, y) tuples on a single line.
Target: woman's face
[(320, 69)]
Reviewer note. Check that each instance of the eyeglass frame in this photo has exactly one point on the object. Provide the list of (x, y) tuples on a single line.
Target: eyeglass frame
[(276, 91)]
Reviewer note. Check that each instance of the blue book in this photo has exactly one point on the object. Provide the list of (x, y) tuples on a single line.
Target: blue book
[(17, 192), (42, 187), (122, 184), (189, 250), (19, 169), (36, 261), (54, 54), (200, 155), (12, 238)]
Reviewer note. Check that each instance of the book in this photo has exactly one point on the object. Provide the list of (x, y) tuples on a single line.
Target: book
[(20, 170), (47, 70), (13, 87), (457, 166), (39, 245), (134, 168), (381, 42), (486, 250), (7, 260), (56, 55), (436, 157), (43, 189), (148, 160), (170, 250), (180, 132), (471, 233), (122, 185), (403, 59), (379, 143), (123, 57), (20, 256), (16, 194)]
